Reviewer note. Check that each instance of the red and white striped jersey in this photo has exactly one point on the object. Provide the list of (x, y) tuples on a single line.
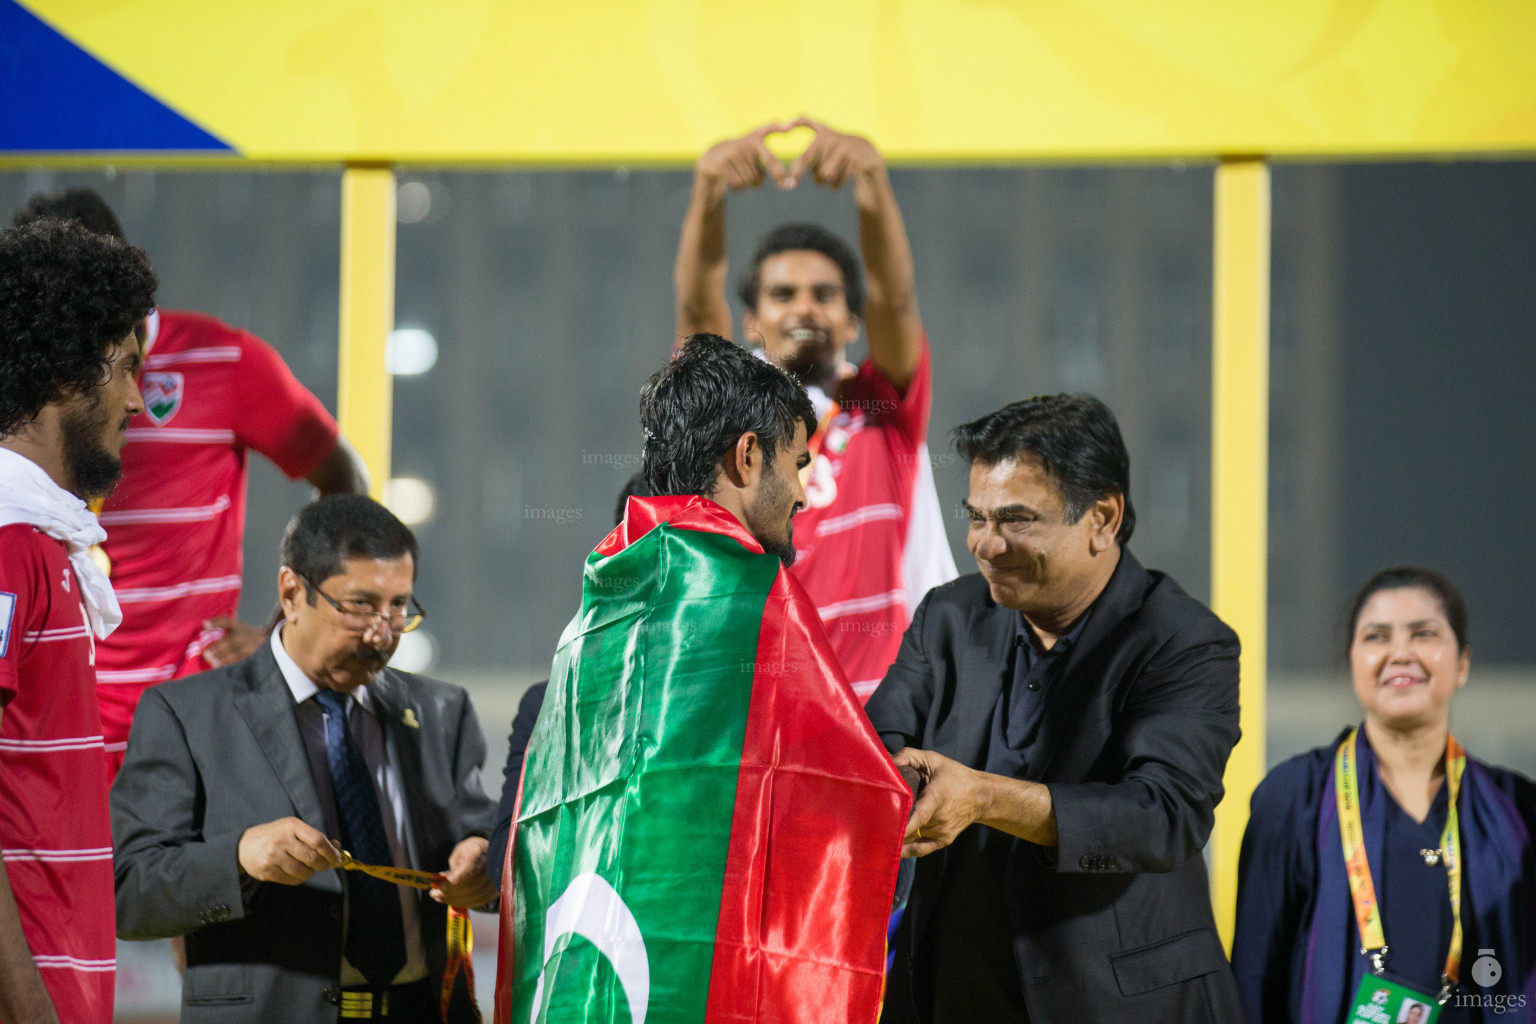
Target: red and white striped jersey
[(55, 829), (871, 539), (177, 520)]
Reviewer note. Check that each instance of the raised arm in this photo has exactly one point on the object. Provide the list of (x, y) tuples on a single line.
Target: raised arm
[(700, 275), (890, 318)]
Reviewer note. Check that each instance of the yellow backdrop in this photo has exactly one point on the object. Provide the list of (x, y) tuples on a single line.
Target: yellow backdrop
[(476, 81)]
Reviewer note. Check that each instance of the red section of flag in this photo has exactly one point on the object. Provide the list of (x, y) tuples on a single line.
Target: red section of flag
[(681, 512), (815, 838)]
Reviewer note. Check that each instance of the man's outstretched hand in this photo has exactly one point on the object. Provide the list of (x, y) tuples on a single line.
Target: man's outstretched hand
[(951, 798), (287, 851), (954, 797), (239, 641), (465, 884)]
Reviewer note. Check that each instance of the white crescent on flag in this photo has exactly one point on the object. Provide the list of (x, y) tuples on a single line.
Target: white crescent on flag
[(591, 908)]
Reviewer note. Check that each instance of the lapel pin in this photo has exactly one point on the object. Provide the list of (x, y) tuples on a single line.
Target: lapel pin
[(409, 718)]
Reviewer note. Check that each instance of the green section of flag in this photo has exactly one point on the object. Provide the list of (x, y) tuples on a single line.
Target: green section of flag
[(631, 773)]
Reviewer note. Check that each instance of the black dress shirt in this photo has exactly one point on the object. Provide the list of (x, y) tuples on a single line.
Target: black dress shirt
[(976, 976)]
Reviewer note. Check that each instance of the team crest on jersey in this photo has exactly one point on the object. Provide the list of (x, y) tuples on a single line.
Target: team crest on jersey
[(162, 395)]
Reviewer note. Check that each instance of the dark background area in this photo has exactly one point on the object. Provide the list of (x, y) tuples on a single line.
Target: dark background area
[(1402, 355), (1440, 365)]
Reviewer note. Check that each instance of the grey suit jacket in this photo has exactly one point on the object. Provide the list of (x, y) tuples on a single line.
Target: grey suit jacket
[(1115, 923), (214, 754)]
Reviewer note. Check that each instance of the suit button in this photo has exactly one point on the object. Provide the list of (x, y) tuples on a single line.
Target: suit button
[(1085, 862), (333, 912), (331, 996), (1109, 862)]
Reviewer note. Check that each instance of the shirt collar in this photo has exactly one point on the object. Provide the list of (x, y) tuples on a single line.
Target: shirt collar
[(1026, 637), (299, 684)]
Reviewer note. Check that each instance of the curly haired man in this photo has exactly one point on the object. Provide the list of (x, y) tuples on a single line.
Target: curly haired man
[(70, 304)]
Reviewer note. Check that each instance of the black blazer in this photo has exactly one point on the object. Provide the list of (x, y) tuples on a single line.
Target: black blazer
[(1115, 924), (213, 754)]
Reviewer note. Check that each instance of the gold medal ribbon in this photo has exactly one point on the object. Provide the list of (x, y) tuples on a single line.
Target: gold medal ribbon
[(1362, 890), (461, 937), (399, 876), (461, 942)]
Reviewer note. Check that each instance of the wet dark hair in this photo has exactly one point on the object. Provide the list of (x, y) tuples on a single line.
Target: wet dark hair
[(1408, 577), (1076, 439), (696, 408), (77, 204), (325, 533), (796, 238), (67, 296)]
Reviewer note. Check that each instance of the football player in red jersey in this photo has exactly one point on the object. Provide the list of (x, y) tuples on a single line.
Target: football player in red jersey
[(176, 524), (871, 539), (70, 303)]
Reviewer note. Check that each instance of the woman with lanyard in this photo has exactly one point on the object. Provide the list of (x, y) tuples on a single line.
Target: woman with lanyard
[(1388, 876)]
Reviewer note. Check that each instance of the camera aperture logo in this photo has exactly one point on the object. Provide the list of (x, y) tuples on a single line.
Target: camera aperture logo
[(1486, 971)]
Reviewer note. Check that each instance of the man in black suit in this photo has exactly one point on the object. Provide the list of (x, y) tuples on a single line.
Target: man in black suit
[(1070, 714), (241, 786)]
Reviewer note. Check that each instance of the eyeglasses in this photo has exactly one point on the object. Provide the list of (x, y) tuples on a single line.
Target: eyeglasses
[(360, 615)]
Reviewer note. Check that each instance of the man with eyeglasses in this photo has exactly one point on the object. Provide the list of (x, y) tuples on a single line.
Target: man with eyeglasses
[(242, 786)]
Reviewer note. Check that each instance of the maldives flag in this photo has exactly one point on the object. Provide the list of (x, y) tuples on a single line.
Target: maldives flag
[(709, 829)]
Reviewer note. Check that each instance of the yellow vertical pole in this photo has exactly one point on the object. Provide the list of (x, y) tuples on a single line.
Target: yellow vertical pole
[(367, 315), (1240, 487)]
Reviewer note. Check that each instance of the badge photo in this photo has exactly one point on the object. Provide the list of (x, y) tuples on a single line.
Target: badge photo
[(162, 392)]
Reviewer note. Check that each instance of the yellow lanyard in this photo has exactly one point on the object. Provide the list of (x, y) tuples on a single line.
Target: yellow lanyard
[(1362, 890), (460, 936)]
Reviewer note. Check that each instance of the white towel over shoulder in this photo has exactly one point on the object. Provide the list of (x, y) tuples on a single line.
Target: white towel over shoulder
[(29, 495)]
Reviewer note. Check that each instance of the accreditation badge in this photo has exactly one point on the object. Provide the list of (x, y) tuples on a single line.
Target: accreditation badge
[(1380, 1000)]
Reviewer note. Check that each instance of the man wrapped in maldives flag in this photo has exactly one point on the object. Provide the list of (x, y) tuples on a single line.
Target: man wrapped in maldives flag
[(709, 829)]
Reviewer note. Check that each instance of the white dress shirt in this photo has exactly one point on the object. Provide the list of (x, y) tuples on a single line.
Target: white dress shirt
[(369, 738)]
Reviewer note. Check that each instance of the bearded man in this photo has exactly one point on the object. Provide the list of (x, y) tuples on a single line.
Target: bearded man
[(69, 305), (703, 799)]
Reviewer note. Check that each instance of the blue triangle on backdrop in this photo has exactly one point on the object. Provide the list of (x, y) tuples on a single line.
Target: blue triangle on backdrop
[(56, 98)]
